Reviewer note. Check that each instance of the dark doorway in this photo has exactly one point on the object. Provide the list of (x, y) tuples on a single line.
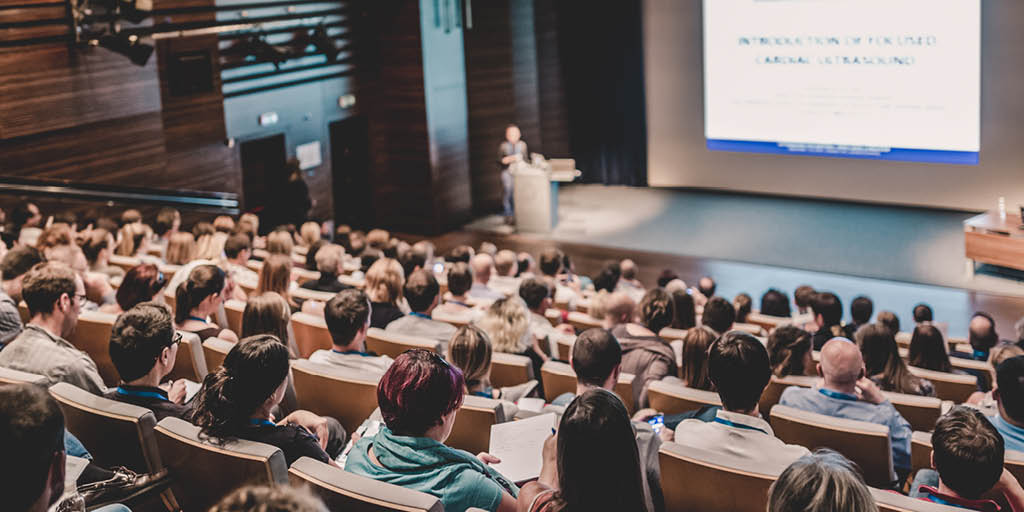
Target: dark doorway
[(263, 162), (350, 165)]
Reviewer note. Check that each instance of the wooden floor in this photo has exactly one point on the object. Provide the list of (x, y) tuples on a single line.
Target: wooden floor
[(951, 305)]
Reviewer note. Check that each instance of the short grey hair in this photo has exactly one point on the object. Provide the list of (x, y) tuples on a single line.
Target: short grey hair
[(329, 258), (823, 481)]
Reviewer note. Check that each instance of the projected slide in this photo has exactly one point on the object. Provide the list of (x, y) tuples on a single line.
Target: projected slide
[(883, 79)]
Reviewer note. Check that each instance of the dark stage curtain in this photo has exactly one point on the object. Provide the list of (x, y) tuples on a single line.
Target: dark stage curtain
[(601, 54)]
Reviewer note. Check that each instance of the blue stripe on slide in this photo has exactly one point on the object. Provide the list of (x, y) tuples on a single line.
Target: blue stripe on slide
[(845, 151)]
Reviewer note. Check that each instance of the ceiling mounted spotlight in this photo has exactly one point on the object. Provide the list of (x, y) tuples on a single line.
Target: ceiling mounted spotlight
[(128, 45)]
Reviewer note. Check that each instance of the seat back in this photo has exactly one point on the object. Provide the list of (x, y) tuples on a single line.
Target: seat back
[(456, 319), (949, 386), (190, 362), (773, 391), (894, 502), (767, 322), (346, 395), (214, 351), (701, 481), (472, 429), (866, 444), (565, 344), (980, 369), (9, 376), (559, 378), (341, 490), (234, 309), (125, 262), (117, 434), (671, 398), (92, 336), (582, 321), (203, 472), (304, 294), (392, 345), (510, 369), (920, 411), (302, 275), (311, 334)]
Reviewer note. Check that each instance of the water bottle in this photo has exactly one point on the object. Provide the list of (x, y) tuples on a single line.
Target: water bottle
[(1002, 208)]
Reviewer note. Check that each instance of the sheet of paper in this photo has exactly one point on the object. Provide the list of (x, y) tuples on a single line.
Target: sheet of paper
[(519, 445), (369, 428), (531, 404), (191, 388)]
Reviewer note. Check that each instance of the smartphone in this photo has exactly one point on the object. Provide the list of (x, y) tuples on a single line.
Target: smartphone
[(438, 267), (657, 423)]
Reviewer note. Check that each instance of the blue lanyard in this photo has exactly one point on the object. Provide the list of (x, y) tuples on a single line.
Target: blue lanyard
[(261, 422), (353, 352), (837, 395), (144, 394), (196, 318), (980, 355), (738, 425), (421, 315), (463, 304)]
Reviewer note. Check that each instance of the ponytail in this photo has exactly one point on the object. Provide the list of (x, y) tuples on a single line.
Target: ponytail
[(205, 280)]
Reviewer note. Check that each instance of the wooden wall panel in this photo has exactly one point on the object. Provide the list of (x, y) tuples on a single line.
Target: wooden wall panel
[(554, 118)]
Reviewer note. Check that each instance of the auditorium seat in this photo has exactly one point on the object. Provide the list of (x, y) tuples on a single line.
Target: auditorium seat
[(559, 378), (310, 334), (673, 398), (895, 502), (865, 443), (116, 433), (170, 299), (341, 490), (304, 294), (701, 481), (190, 362), (92, 336), (169, 271), (752, 329), (767, 322), (301, 275), (234, 309), (392, 345), (456, 319), (554, 316), (671, 333), (510, 369), (582, 321), (472, 429), (9, 376), (203, 472), (981, 369), (214, 351), (773, 391), (949, 386), (920, 411), (125, 262), (565, 348), (347, 395)]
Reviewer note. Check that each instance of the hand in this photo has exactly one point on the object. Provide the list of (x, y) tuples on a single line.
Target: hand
[(667, 435), (177, 392), (549, 467), (508, 159), (487, 458), (869, 392), (311, 422), (355, 436), (644, 414)]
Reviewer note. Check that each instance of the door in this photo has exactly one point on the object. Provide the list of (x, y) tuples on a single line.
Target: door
[(350, 167), (263, 168)]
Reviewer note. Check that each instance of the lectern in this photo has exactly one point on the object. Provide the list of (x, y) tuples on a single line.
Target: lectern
[(536, 191)]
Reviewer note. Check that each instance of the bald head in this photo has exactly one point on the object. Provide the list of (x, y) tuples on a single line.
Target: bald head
[(628, 269), (481, 265), (618, 309), (505, 263), (982, 332), (841, 362)]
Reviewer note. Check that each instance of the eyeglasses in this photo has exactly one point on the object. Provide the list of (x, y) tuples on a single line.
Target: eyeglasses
[(175, 339), (160, 281), (80, 297)]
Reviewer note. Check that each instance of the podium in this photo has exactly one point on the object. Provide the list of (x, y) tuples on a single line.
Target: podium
[(535, 192)]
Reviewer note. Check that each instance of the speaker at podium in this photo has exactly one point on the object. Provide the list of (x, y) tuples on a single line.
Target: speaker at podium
[(535, 190)]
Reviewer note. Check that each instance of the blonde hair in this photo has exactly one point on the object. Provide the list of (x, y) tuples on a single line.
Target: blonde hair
[(507, 323), (181, 248), (266, 314), (211, 247), (224, 224), (378, 238), (470, 351), (251, 218), (276, 276), (280, 242), (385, 280), (132, 237), (329, 258), (310, 233), (270, 499), (598, 305)]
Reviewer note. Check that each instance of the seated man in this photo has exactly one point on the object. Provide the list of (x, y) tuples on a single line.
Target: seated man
[(348, 318), (1009, 397), (54, 295), (628, 283), (861, 309), (847, 393), (482, 265), (981, 334), (506, 266), (330, 260), (238, 250), (421, 292), (551, 266), (13, 267), (644, 353), (719, 315), (537, 295), (967, 457), (739, 367), (828, 317), (143, 347), (459, 281)]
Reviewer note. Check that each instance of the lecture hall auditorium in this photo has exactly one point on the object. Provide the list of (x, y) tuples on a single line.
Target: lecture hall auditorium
[(511, 256)]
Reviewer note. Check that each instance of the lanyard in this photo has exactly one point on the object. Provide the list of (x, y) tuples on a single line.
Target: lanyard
[(196, 318), (421, 315), (261, 422), (728, 423), (143, 394), (837, 395), (353, 352), (463, 304)]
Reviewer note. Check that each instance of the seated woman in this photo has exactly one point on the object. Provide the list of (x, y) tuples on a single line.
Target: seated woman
[(470, 351), (743, 304), (238, 401), (269, 314), (789, 351), (419, 396), (276, 276), (181, 248), (143, 283), (97, 248), (507, 324), (694, 371), (928, 350), (883, 364), (800, 486), (199, 297), (385, 280), (592, 463)]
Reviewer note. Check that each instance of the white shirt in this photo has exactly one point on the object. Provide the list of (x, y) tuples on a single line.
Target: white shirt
[(739, 435), (360, 361), (504, 284)]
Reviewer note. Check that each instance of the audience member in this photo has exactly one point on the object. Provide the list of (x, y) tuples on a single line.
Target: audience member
[(238, 400), (384, 285), (143, 348), (526, 265), (743, 304), (131, 216), (166, 224), (269, 313), (592, 463), (487, 248), (739, 368), (628, 281), (1009, 397), (276, 276), (97, 247), (25, 217), (789, 351), (718, 315), (199, 297), (536, 293), (181, 248), (505, 267), (823, 481), (311, 253), (280, 241), (928, 349), (890, 321), (775, 303), (460, 254), (923, 314), (237, 251), (607, 278), (264, 498), (460, 279), (667, 276), (848, 393), (828, 317), (644, 353), (309, 234), (142, 283), (54, 295), (507, 324), (883, 364), (694, 372), (330, 261), (422, 294), (13, 268), (470, 351), (682, 304), (707, 286), (803, 297), (53, 236), (419, 396), (482, 264), (982, 336), (347, 316), (860, 312)]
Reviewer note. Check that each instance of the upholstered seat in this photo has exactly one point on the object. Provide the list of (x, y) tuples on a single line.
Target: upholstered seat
[(510, 369), (341, 490), (392, 345), (346, 395), (672, 398)]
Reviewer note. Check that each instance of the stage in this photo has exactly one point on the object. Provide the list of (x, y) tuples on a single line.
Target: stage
[(899, 256)]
